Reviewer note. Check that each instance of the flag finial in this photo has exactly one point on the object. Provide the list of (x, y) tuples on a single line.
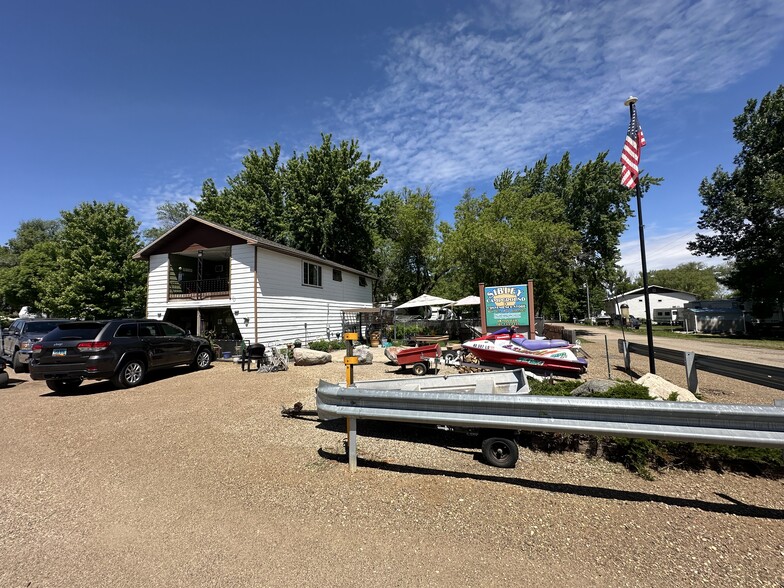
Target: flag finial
[(630, 100)]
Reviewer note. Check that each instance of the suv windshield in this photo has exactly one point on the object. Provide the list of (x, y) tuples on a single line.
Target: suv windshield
[(75, 331)]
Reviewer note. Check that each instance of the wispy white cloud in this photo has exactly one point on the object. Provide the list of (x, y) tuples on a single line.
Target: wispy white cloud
[(178, 188), (516, 80), (663, 250)]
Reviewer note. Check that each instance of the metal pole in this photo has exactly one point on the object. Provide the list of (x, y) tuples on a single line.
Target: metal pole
[(607, 352), (648, 326), (648, 321), (588, 298)]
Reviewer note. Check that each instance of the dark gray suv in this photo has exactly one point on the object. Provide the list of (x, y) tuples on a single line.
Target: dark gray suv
[(18, 340), (120, 350)]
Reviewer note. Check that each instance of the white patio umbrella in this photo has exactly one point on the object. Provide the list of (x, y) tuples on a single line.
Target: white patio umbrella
[(467, 301), (424, 300)]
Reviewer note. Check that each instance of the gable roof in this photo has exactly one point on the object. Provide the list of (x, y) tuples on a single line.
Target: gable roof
[(652, 289), (216, 235)]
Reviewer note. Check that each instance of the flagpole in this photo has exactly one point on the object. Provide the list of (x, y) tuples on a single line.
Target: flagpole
[(648, 326)]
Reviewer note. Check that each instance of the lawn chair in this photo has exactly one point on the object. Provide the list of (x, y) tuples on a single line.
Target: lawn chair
[(253, 352)]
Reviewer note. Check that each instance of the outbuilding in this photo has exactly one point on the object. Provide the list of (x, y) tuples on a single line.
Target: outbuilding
[(660, 298)]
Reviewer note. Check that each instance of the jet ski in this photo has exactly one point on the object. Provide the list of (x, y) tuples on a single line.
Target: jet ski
[(507, 348)]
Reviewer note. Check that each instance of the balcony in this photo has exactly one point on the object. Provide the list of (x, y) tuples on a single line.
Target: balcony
[(199, 289)]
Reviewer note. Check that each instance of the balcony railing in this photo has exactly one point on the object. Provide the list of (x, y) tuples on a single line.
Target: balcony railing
[(199, 289)]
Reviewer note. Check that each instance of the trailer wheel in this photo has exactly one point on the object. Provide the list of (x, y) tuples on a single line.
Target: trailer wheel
[(419, 369), (500, 452)]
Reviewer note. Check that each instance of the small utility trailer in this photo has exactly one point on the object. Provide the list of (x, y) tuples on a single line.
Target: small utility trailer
[(420, 359)]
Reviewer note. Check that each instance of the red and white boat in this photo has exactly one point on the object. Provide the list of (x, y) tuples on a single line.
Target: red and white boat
[(505, 347)]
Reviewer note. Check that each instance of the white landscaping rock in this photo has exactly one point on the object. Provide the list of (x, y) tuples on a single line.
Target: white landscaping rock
[(660, 388), (310, 357), (364, 354)]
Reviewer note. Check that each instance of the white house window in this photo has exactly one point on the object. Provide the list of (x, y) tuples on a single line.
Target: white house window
[(311, 274), (337, 275), (362, 281)]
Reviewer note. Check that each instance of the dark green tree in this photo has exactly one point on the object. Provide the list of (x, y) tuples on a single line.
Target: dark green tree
[(692, 277), (169, 214), (743, 210), (25, 261), (96, 275), (513, 237), (407, 245), (252, 200), (329, 194)]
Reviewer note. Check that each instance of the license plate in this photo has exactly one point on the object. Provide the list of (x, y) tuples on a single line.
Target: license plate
[(58, 352)]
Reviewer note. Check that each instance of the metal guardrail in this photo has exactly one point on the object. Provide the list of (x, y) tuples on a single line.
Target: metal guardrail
[(754, 373), (731, 424)]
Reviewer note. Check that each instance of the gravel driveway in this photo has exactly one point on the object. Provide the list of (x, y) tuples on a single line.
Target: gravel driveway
[(194, 479)]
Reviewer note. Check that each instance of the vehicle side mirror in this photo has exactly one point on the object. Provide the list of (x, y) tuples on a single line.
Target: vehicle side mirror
[(188, 332)]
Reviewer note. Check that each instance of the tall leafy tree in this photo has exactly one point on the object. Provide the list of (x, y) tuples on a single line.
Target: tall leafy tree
[(169, 214), (252, 200), (407, 243), (329, 194), (510, 238), (96, 275), (25, 261), (743, 210), (693, 276)]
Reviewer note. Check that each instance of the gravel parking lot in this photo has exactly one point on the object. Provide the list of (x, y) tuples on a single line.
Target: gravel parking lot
[(194, 479)]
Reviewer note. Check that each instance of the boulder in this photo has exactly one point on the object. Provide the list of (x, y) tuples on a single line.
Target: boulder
[(591, 387), (660, 388), (391, 353), (362, 352), (310, 357)]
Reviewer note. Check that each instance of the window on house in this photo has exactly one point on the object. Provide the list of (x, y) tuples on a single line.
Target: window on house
[(337, 275), (311, 274), (362, 281)]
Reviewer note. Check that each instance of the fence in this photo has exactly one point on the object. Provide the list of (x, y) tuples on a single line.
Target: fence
[(763, 375)]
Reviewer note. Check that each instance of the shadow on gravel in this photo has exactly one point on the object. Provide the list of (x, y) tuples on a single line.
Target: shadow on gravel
[(427, 434), (89, 387), (737, 508), (13, 383)]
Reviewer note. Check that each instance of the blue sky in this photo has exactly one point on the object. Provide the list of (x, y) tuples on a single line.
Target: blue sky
[(139, 102)]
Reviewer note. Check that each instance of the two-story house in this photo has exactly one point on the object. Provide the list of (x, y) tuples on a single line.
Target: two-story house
[(205, 277)]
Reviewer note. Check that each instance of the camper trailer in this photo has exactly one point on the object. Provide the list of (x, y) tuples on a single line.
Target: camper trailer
[(666, 316)]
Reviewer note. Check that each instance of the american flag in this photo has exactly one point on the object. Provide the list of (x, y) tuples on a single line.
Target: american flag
[(630, 157)]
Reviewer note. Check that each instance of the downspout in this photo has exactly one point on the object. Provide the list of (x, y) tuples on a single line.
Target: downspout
[(255, 294)]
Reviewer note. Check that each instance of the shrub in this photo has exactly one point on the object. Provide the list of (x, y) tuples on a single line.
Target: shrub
[(643, 456), (324, 345)]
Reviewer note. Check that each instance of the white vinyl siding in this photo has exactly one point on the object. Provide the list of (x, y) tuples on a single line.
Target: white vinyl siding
[(285, 305), (158, 285)]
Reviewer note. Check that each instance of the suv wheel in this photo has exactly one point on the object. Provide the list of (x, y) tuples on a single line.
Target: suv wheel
[(63, 386), (202, 360), (18, 365), (130, 374)]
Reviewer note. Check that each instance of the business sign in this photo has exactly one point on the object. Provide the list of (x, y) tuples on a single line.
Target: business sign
[(506, 306)]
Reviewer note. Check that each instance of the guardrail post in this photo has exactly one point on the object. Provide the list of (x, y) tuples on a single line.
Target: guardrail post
[(352, 443), (623, 347), (691, 372)]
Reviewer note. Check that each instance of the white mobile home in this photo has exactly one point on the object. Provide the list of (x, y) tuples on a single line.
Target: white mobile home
[(207, 277), (659, 297)]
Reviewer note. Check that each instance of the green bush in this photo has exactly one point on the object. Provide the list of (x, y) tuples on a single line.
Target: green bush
[(643, 456), (324, 345)]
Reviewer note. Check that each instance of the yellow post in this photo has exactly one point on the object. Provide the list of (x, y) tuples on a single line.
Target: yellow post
[(351, 424)]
